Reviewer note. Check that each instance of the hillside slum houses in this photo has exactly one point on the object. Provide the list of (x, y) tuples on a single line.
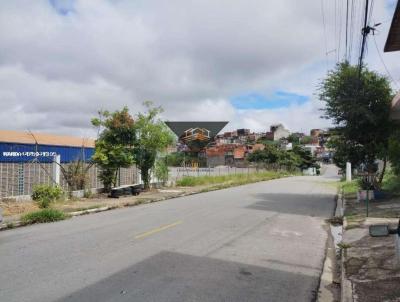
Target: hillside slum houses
[(232, 148)]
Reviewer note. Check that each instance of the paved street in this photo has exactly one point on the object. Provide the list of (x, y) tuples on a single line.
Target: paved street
[(259, 242)]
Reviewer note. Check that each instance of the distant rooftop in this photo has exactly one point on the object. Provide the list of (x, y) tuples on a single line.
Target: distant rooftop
[(25, 137)]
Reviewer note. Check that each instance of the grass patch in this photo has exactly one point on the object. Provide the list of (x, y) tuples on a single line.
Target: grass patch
[(10, 225), (42, 216), (224, 181), (350, 188), (391, 182), (335, 220), (352, 226), (343, 245)]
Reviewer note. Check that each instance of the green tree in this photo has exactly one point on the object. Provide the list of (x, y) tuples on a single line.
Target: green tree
[(176, 159), (298, 157), (394, 151), (289, 159), (152, 136), (270, 155), (294, 138), (359, 107), (161, 170), (305, 158), (114, 146), (345, 151), (305, 140)]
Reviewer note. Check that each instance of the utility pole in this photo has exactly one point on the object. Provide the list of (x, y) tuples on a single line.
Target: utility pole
[(365, 32)]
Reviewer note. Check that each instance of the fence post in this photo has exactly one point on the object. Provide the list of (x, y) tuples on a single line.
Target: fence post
[(56, 169)]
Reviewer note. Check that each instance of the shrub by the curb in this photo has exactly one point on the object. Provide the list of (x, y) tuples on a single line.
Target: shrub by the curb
[(230, 180), (10, 225), (44, 195), (41, 216)]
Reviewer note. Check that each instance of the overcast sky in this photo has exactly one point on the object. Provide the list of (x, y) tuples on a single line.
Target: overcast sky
[(252, 63)]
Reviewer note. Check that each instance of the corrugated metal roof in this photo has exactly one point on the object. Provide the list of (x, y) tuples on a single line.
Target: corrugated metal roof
[(11, 136), (393, 39)]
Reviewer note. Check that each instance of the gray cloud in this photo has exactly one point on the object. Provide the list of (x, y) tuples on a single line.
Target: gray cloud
[(57, 70)]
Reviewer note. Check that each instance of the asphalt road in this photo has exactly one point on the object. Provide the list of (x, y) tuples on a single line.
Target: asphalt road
[(259, 242)]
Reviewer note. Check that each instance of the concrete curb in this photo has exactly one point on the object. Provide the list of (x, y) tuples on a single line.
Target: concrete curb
[(346, 284), (325, 294)]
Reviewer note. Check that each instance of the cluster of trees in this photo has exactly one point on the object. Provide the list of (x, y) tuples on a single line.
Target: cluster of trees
[(124, 141), (296, 139), (358, 103), (298, 157), (179, 159)]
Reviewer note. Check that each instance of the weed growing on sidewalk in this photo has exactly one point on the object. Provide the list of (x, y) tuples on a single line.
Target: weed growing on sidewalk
[(41, 216), (230, 179)]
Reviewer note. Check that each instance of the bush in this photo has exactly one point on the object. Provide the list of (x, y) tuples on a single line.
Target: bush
[(43, 203), (44, 195), (391, 182), (161, 170), (350, 188), (41, 216), (229, 179), (187, 181), (87, 193)]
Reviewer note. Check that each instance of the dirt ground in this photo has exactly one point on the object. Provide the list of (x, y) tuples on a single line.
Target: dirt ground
[(372, 264)]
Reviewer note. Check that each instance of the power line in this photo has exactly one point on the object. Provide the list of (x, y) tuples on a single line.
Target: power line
[(370, 11), (359, 25), (347, 29), (335, 29), (326, 43), (365, 32), (340, 19), (384, 65), (352, 17)]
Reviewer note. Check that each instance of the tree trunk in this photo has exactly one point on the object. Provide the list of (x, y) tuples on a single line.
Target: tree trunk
[(145, 178), (383, 171)]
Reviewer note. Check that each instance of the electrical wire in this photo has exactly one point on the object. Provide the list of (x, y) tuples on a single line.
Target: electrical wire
[(347, 29), (326, 42), (340, 19), (384, 65), (371, 7), (351, 31)]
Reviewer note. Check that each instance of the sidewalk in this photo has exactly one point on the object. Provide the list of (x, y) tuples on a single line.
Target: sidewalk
[(370, 265), (12, 211)]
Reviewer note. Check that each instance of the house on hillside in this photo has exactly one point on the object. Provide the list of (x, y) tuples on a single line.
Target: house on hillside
[(277, 132)]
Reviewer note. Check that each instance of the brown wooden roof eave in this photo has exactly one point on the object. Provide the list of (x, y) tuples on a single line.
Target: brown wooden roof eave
[(393, 39)]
